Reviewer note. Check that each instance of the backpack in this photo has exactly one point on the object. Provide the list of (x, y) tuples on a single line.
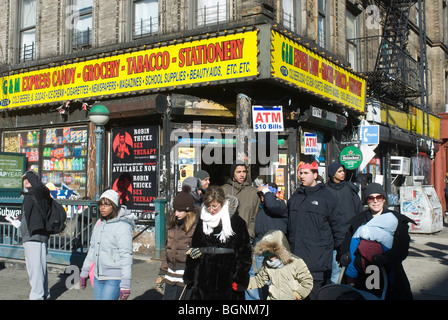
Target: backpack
[(55, 219)]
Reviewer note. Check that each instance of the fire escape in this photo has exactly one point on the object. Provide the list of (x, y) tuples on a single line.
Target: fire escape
[(395, 77)]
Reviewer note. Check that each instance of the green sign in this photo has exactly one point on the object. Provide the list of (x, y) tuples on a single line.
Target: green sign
[(351, 157), (12, 167)]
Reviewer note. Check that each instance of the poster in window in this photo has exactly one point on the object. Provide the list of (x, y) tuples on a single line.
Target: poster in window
[(134, 167)]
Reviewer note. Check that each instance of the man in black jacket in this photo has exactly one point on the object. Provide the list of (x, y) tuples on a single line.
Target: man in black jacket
[(348, 199), (36, 204), (315, 225)]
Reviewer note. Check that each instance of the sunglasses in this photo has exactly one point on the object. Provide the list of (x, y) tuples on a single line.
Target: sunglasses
[(378, 198)]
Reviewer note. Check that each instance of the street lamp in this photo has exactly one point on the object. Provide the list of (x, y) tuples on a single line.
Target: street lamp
[(99, 116)]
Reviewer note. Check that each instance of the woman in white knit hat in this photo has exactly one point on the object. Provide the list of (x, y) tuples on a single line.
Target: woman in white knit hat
[(110, 250)]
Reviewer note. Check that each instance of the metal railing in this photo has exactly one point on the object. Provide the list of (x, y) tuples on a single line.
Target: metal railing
[(210, 15), (146, 27), (74, 240), (27, 52)]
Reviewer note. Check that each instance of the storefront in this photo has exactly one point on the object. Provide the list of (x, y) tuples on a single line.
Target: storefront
[(181, 105)]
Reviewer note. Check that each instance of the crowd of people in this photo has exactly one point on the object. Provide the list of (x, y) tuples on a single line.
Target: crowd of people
[(238, 241)]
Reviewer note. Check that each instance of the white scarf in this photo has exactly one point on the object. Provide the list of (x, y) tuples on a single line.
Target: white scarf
[(212, 221)]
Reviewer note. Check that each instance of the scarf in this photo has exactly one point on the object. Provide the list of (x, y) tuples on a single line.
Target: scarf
[(212, 221)]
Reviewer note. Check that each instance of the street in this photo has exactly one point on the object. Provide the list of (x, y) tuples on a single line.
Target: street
[(426, 267)]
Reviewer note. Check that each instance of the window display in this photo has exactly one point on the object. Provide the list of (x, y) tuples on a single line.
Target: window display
[(64, 159), (27, 142)]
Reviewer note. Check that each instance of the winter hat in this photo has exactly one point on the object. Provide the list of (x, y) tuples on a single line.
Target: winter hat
[(112, 195), (234, 165), (332, 168), (374, 188), (193, 182), (184, 200), (202, 174)]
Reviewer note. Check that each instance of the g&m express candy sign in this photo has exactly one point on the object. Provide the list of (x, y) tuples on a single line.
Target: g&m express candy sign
[(267, 118)]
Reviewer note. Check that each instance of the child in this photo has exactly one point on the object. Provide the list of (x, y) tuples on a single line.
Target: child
[(375, 237), (289, 276)]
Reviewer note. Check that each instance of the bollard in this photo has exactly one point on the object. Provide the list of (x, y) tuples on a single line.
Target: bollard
[(159, 204)]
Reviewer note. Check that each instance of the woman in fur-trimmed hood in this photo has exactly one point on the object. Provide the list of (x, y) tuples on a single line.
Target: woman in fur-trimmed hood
[(218, 262), (289, 275)]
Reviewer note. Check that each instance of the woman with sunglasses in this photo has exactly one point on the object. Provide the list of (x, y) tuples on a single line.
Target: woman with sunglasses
[(378, 236)]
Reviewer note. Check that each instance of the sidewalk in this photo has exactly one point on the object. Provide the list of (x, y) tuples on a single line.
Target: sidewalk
[(15, 286), (426, 267)]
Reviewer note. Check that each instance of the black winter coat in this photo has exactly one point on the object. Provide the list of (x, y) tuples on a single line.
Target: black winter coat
[(36, 205), (273, 215), (212, 276), (315, 227), (348, 199), (399, 287)]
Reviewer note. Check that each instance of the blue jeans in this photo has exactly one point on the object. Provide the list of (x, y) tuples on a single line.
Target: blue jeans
[(336, 269), (106, 289), (254, 294)]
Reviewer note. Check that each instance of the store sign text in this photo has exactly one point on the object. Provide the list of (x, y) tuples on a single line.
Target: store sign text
[(221, 58), (304, 68)]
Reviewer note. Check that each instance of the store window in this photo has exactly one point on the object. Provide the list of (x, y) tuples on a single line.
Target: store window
[(59, 155), (26, 142), (146, 18), (27, 46)]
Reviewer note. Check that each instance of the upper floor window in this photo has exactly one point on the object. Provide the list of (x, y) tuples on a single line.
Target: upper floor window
[(288, 14), (211, 12), (351, 34), (82, 24), (321, 23), (146, 18), (27, 46)]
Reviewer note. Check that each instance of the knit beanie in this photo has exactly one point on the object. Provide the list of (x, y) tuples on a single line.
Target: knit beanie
[(202, 174), (112, 195), (194, 183), (374, 188), (332, 168), (184, 200)]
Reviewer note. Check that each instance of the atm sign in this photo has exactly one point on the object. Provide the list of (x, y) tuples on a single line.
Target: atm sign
[(267, 118)]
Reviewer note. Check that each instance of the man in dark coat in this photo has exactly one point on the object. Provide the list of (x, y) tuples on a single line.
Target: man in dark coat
[(273, 214), (315, 225), (349, 202), (36, 204)]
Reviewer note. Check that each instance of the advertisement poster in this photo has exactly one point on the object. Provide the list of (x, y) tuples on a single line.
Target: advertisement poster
[(134, 163)]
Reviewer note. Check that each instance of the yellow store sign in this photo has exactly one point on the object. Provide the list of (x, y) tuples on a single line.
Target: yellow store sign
[(191, 62), (305, 69)]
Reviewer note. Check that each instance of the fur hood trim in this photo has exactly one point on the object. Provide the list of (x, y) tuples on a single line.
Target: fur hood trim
[(232, 202), (275, 241)]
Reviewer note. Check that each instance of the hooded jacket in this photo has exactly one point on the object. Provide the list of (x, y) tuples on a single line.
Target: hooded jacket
[(36, 204), (273, 215), (291, 281), (348, 200), (316, 227), (248, 199), (111, 249), (212, 275)]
